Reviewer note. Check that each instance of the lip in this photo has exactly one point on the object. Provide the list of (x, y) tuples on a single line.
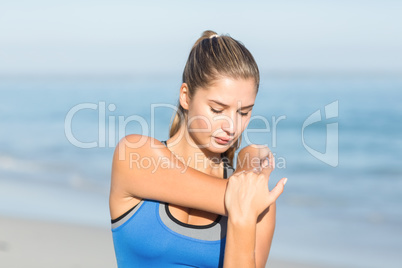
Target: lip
[(222, 140)]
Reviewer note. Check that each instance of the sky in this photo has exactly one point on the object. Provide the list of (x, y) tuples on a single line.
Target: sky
[(154, 37)]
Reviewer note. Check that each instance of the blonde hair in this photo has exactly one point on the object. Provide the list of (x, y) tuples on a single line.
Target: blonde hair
[(212, 57)]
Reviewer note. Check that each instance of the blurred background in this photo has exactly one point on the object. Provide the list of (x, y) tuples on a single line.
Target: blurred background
[(70, 71)]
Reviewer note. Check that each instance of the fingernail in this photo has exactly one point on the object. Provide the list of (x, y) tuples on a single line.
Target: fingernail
[(284, 182), (265, 163)]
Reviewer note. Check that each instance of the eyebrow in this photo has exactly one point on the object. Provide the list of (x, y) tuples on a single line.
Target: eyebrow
[(225, 105)]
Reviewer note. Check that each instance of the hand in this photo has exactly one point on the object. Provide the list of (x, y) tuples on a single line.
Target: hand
[(247, 194)]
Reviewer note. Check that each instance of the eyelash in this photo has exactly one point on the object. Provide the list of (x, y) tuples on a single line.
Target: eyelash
[(218, 112)]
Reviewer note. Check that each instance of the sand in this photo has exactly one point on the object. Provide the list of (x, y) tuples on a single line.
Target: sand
[(31, 243)]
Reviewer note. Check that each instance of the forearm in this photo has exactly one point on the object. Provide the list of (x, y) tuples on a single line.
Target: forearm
[(240, 244)]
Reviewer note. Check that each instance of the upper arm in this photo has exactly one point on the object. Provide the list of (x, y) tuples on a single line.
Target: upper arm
[(250, 157), (144, 168)]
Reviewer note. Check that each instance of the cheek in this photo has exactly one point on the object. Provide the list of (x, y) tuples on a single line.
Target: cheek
[(198, 121), (244, 123)]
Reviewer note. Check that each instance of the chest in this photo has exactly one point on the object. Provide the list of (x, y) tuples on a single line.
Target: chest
[(152, 238), (191, 216)]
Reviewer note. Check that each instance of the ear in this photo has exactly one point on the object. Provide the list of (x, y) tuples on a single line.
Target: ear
[(184, 96)]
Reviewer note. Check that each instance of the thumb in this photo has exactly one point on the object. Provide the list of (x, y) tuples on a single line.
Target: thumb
[(278, 189)]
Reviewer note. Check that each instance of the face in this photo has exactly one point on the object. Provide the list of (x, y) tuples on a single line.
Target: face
[(218, 114)]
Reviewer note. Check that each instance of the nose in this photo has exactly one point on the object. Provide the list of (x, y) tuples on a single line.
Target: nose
[(229, 124)]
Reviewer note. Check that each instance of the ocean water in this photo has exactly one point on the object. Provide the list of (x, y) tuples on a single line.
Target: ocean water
[(338, 140)]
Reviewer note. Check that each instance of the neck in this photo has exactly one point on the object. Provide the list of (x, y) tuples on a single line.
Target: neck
[(190, 153)]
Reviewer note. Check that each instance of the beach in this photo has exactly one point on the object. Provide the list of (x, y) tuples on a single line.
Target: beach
[(54, 192), (41, 244), (49, 225), (78, 76), (32, 243)]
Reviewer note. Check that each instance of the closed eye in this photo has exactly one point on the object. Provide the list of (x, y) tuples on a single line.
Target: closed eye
[(219, 112), (215, 111)]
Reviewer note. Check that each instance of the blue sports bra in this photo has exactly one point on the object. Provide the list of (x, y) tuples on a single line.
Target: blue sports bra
[(149, 236)]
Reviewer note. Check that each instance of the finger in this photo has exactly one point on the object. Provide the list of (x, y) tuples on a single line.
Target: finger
[(278, 189), (256, 170), (265, 162), (271, 159), (267, 170), (238, 173)]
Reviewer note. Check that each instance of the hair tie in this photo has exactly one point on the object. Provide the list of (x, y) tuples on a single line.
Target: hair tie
[(214, 35)]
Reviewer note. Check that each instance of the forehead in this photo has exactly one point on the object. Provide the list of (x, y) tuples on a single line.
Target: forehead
[(229, 91)]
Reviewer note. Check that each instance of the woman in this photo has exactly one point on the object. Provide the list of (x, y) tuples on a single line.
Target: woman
[(167, 198)]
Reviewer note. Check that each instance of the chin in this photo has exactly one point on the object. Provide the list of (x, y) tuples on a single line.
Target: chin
[(219, 148)]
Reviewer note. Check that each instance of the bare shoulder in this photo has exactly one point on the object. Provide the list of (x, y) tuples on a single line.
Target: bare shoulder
[(133, 146), (139, 142), (250, 157), (131, 164), (136, 157), (257, 150)]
